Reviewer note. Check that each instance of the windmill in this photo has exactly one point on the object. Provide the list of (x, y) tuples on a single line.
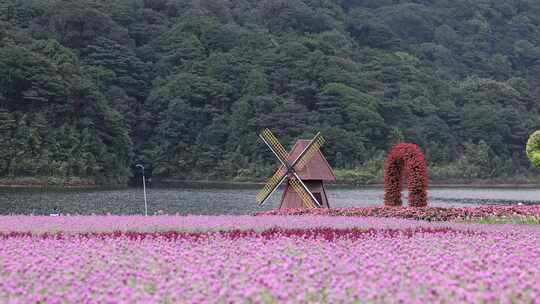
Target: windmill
[(304, 169)]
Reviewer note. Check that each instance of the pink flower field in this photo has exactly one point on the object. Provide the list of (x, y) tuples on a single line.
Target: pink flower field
[(269, 259)]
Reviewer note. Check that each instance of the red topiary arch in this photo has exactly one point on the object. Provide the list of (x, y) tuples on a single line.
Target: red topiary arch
[(405, 158)]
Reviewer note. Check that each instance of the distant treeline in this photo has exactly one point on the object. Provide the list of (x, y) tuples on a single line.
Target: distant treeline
[(88, 87)]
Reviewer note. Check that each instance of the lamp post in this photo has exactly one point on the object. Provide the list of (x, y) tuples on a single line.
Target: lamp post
[(144, 189)]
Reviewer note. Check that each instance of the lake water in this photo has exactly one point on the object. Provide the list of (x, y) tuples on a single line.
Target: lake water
[(201, 198)]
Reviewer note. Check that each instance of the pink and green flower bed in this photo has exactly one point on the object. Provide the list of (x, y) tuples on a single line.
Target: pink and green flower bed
[(425, 213), (265, 259)]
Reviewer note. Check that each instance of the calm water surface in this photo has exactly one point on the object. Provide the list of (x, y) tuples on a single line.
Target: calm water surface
[(200, 198)]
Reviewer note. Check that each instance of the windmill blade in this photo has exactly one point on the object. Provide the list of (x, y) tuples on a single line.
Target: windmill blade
[(272, 184), (273, 143), (317, 203), (308, 152), (306, 199), (304, 193)]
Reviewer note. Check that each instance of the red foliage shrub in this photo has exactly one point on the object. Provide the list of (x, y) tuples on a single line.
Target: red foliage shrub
[(405, 158)]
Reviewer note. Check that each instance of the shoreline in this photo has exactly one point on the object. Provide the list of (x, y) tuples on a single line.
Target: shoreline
[(436, 184), (165, 181)]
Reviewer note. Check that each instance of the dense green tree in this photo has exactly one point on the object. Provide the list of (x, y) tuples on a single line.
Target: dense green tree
[(88, 87)]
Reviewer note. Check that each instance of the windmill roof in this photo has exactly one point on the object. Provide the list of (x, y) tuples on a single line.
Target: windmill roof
[(317, 168)]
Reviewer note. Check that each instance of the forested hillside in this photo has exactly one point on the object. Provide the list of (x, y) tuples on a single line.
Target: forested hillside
[(87, 87)]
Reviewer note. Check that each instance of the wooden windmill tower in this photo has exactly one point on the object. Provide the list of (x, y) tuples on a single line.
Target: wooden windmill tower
[(304, 170)]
